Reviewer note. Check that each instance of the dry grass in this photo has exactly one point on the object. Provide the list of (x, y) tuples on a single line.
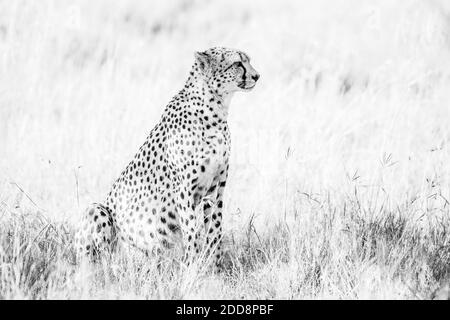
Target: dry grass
[(340, 177)]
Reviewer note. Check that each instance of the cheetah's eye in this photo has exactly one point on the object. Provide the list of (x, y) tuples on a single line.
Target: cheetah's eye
[(235, 64), (238, 64)]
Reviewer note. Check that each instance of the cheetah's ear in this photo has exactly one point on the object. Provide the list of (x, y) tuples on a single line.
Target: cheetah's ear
[(203, 59)]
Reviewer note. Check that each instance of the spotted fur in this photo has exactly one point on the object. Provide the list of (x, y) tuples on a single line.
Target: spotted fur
[(173, 188)]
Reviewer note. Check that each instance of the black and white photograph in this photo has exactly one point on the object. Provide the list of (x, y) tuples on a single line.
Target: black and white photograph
[(241, 150)]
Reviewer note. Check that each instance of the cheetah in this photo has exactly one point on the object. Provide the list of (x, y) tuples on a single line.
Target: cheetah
[(173, 188)]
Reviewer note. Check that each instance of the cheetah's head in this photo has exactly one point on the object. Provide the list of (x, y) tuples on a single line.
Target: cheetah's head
[(226, 70)]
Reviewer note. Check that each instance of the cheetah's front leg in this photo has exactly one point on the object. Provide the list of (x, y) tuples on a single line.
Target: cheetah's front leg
[(213, 221), (189, 222)]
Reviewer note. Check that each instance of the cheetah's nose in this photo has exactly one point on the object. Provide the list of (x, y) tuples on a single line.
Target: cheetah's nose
[(255, 77)]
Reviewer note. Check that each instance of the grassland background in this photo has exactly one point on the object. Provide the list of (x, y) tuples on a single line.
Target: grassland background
[(339, 181)]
